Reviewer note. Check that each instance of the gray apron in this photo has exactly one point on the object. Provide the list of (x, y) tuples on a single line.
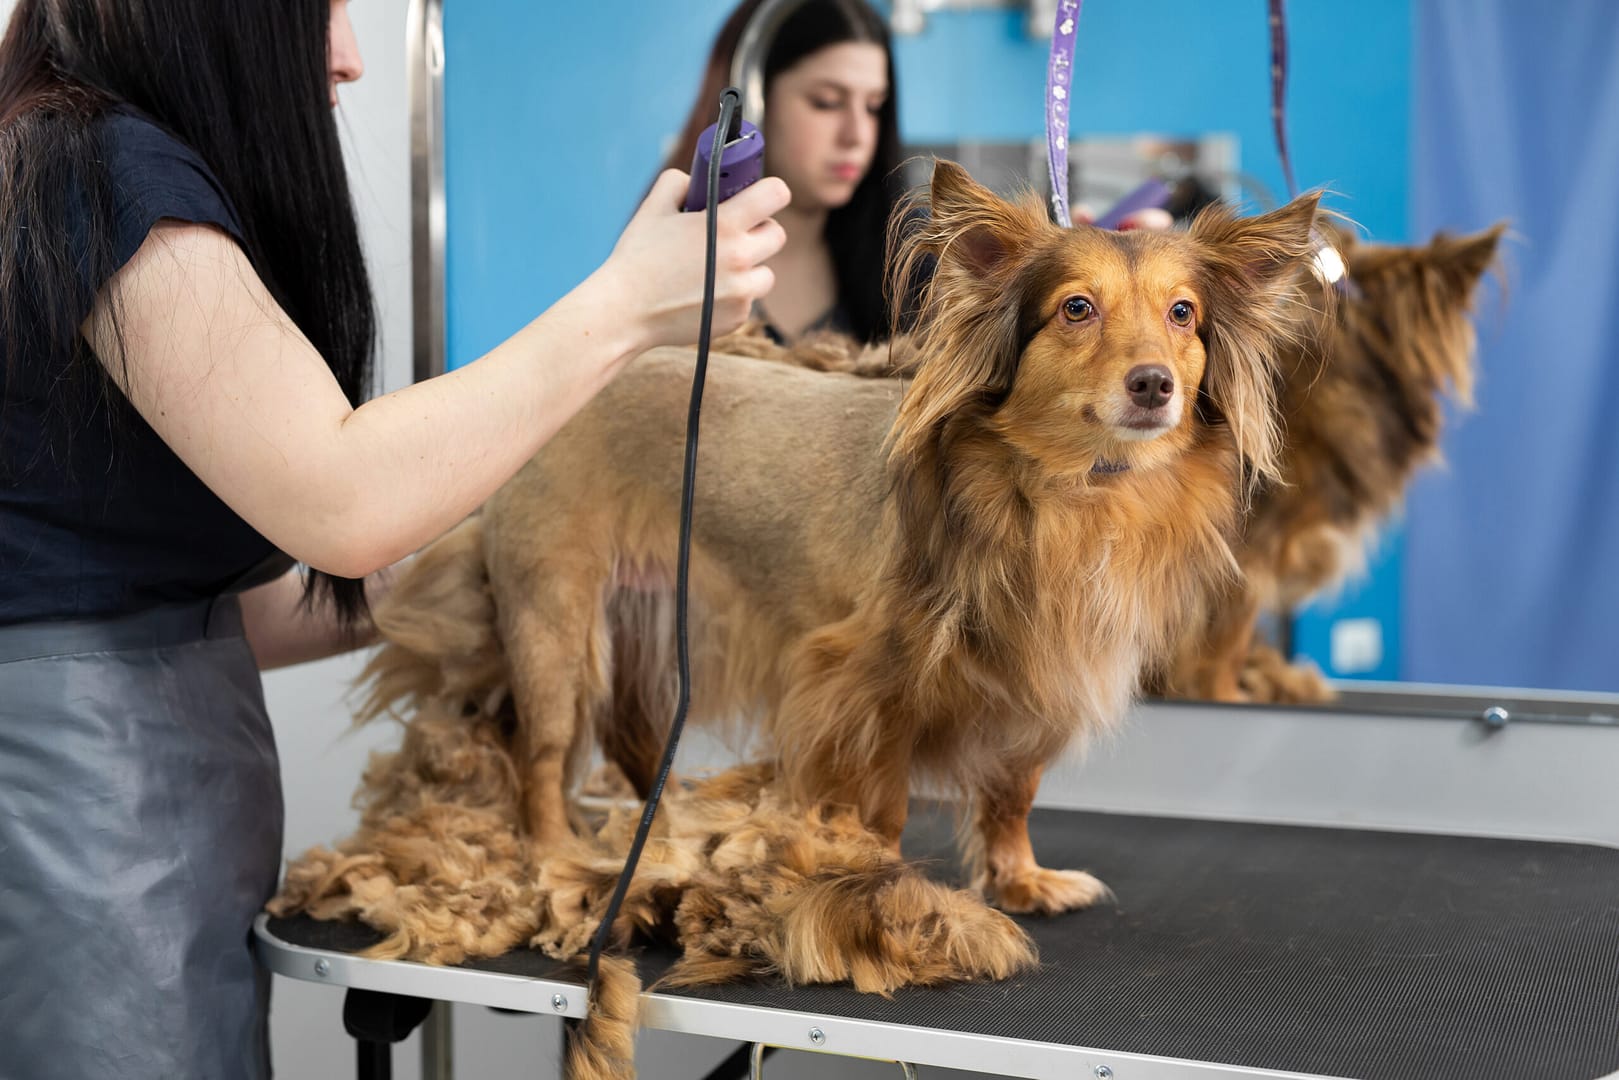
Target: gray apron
[(140, 832)]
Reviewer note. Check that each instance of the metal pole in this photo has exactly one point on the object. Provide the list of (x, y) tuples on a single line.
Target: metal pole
[(424, 65), (438, 1050)]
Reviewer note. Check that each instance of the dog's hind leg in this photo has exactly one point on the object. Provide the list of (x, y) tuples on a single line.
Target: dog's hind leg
[(553, 624), (1209, 659), (1009, 876), (629, 738), (645, 690)]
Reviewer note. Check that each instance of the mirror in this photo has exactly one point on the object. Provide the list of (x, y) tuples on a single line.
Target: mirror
[(1480, 564)]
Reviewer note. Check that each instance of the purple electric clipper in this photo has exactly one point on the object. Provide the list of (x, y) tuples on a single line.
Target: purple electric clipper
[(742, 161)]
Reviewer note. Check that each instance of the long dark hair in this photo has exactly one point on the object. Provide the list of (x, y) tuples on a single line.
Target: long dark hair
[(855, 232), (244, 84)]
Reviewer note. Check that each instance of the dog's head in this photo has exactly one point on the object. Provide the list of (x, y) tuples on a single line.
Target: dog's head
[(1093, 350), (1410, 307)]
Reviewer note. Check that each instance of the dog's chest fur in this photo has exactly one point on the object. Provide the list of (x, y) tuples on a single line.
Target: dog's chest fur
[(1053, 614)]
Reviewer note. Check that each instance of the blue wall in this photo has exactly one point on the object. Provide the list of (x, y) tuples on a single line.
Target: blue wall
[(1189, 66), (556, 116)]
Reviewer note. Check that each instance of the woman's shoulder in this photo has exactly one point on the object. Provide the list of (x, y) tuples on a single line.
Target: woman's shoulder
[(133, 138), (154, 174)]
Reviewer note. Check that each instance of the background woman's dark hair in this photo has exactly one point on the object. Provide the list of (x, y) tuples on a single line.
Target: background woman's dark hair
[(244, 84), (855, 232)]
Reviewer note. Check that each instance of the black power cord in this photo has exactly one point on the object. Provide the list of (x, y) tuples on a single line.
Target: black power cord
[(730, 101)]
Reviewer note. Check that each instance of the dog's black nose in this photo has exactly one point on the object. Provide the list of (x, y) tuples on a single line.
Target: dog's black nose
[(1150, 385)]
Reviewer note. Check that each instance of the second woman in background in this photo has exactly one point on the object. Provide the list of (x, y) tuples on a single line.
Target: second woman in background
[(831, 132)]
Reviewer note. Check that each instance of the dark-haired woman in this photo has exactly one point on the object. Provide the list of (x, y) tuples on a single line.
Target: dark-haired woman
[(185, 339), (831, 132)]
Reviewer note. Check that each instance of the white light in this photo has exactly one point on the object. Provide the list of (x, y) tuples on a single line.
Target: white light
[(1328, 264)]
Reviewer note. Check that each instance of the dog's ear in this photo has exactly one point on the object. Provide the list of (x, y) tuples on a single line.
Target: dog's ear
[(967, 325), (1423, 298), (958, 234), (976, 230), (952, 189), (1261, 253), (1460, 261), (1252, 280)]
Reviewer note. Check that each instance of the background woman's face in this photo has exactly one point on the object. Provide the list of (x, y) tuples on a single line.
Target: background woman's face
[(821, 122)]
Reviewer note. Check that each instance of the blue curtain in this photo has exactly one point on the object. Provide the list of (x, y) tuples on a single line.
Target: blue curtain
[(1512, 560)]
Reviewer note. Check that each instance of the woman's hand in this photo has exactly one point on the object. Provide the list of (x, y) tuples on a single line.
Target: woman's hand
[(1150, 217), (655, 273)]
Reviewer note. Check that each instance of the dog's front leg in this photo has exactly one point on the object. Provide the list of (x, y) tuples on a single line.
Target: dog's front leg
[(1228, 642), (1010, 877), (880, 789), (842, 742), (885, 798)]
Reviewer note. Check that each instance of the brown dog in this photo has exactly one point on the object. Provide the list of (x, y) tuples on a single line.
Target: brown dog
[(950, 577), (1360, 394)]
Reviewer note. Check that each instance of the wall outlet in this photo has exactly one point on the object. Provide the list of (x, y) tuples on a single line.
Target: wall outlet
[(1357, 646)]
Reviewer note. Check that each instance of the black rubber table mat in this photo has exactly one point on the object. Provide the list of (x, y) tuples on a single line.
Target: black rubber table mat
[(1341, 952)]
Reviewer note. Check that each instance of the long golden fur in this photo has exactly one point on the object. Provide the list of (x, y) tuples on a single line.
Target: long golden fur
[(1360, 395), (951, 577)]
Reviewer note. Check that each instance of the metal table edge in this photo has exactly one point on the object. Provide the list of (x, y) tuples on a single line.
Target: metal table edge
[(940, 1047), (415, 979), (789, 1029)]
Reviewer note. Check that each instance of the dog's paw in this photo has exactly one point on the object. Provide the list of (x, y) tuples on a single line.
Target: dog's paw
[(1268, 677), (1045, 892)]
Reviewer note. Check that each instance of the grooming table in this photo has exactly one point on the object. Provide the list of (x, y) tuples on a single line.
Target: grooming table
[(1234, 950)]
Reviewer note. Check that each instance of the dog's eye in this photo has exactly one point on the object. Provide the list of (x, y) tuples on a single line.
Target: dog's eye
[(1180, 313), (1077, 309)]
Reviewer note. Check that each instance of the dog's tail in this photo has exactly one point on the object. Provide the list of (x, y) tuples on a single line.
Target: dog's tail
[(438, 629), (603, 1047)]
